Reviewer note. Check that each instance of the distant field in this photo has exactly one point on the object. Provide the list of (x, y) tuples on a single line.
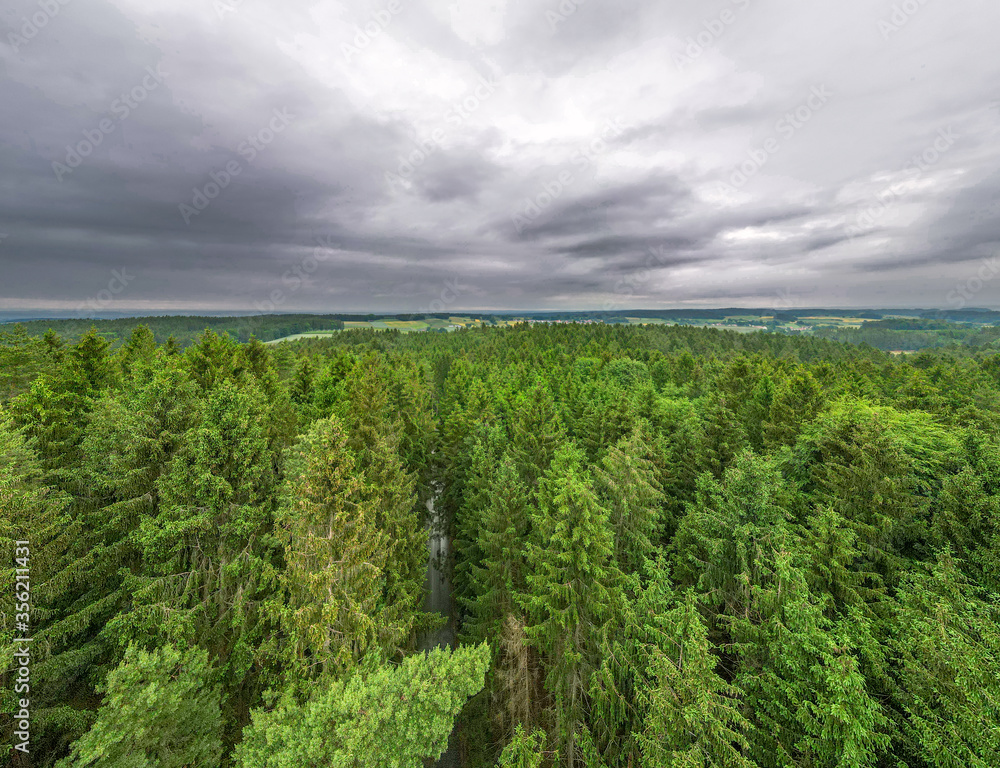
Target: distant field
[(825, 320), (649, 321), (309, 335), (404, 326)]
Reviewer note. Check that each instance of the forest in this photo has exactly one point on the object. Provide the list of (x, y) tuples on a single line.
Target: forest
[(669, 547)]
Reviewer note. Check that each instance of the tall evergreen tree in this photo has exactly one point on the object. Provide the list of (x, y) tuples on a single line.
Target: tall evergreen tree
[(211, 550), (572, 581), (386, 717), (161, 710), (336, 559), (627, 486)]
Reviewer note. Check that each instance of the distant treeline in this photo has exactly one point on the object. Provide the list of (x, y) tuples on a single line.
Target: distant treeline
[(927, 329), (911, 335), (186, 328)]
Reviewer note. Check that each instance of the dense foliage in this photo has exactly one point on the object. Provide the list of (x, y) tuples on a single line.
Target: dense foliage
[(671, 546)]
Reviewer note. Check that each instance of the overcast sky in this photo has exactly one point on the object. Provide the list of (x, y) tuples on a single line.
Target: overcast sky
[(199, 155)]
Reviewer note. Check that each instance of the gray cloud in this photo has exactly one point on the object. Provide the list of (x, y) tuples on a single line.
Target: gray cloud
[(540, 153)]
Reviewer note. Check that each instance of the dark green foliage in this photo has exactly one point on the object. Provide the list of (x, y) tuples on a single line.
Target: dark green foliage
[(161, 710), (669, 546)]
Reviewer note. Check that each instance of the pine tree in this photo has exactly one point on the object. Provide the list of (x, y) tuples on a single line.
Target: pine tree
[(211, 553), (571, 584), (536, 432), (524, 750), (470, 517), (499, 574), (797, 400), (945, 648), (386, 717), (336, 560), (805, 696), (627, 486), (160, 710), (373, 434), (693, 715), (36, 533), (731, 530)]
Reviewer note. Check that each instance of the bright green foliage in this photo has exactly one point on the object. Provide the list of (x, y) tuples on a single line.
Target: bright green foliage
[(805, 696), (160, 711), (679, 439), (524, 750), (797, 400), (946, 651), (878, 468), (608, 415), (833, 564), (536, 432), (657, 699), (571, 584), (730, 532), (374, 435), (140, 348), (131, 437), (478, 494), (211, 548), (335, 608), (627, 486), (213, 359), (966, 513), (31, 512), (386, 717), (806, 618), (500, 573), (693, 716)]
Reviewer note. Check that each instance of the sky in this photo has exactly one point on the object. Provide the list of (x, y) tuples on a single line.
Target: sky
[(194, 156)]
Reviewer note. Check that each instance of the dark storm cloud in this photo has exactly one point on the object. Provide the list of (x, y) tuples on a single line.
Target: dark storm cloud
[(365, 155), (619, 207)]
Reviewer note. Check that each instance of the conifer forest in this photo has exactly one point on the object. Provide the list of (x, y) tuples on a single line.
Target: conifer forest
[(549, 545)]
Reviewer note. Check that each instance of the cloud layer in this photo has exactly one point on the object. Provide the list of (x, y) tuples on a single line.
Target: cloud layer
[(355, 156)]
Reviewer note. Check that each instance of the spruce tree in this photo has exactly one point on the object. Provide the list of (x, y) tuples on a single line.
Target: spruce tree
[(335, 561), (378, 717), (161, 710), (572, 582), (627, 486)]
